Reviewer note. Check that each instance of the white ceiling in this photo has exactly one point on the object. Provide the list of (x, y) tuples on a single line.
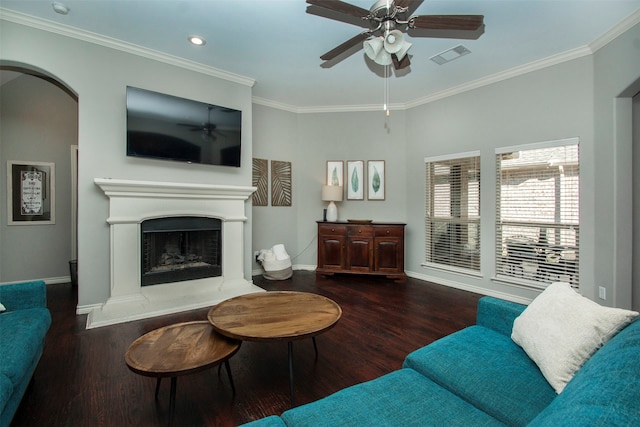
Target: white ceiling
[(278, 44)]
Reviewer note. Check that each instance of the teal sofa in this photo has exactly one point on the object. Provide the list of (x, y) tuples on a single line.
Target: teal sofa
[(479, 377), (23, 327)]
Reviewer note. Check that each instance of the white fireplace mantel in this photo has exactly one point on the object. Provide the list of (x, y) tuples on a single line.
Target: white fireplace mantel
[(131, 203)]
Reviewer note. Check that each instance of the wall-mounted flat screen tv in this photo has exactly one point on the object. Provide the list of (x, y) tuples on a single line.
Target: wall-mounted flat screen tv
[(166, 127)]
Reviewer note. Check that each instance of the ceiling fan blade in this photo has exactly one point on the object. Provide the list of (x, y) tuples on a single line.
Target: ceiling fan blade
[(353, 41), (411, 5), (340, 6), (447, 22), (399, 64), (337, 16)]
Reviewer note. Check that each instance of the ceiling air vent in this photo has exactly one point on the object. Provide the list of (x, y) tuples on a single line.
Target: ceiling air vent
[(450, 54)]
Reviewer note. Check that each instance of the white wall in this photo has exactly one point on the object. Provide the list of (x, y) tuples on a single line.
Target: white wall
[(99, 76), (39, 124)]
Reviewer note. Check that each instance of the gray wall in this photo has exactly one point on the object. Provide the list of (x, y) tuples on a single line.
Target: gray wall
[(576, 98), (636, 202), (99, 76), (549, 104), (586, 98), (39, 124)]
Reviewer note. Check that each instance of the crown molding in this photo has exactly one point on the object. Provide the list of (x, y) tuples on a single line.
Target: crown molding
[(87, 36), (622, 27), (504, 75), (90, 37)]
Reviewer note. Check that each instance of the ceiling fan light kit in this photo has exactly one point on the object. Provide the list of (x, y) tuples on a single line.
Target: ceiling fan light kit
[(388, 20)]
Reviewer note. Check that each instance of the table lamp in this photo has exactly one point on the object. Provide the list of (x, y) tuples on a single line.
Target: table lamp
[(331, 194)]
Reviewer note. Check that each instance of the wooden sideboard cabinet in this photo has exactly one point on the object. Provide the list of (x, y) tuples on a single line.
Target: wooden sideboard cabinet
[(361, 248)]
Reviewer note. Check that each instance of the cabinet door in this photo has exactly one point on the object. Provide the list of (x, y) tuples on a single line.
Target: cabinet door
[(359, 253), (388, 256), (331, 254), (331, 246)]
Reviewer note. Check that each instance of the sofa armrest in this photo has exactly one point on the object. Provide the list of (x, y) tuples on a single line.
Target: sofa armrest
[(16, 296), (498, 314)]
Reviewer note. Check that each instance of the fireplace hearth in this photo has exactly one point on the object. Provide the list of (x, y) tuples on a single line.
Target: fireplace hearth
[(180, 248)]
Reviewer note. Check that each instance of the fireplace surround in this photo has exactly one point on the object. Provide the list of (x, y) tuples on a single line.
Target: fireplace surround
[(131, 204)]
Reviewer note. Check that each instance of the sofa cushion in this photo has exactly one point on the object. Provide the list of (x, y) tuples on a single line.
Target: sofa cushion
[(403, 397), (6, 390), (561, 329), (605, 391), (488, 370), (22, 334)]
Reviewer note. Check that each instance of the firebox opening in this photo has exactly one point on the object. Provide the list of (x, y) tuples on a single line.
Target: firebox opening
[(180, 248)]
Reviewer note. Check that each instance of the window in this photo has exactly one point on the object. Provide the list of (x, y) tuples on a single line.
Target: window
[(537, 213), (452, 211)]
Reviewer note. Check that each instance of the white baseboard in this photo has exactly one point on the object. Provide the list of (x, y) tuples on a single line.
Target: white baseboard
[(469, 288)]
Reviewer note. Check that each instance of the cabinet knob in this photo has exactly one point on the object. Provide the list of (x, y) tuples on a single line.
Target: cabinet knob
[(333, 229), (387, 231)]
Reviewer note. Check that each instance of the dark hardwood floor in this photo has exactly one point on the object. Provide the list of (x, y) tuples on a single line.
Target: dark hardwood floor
[(82, 379)]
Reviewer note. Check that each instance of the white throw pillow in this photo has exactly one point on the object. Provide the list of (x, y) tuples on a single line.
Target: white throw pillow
[(561, 330)]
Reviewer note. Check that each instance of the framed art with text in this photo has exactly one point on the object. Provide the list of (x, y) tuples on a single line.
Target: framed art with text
[(30, 193)]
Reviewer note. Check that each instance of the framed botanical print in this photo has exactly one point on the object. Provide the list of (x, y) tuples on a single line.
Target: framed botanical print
[(376, 180), (355, 180), (30, 193), (335, 172)]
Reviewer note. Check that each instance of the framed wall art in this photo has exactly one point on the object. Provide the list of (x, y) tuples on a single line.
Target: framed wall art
[(30, 193), (376, 180), (335, 172), (355, 180), (281, 190), (260, 180)]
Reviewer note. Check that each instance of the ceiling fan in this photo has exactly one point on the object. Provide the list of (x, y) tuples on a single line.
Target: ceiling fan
[(387, 21), (208, 129)]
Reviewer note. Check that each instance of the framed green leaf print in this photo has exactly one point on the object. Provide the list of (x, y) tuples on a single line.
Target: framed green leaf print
[(335, 172), (355, 180), (376, 180)]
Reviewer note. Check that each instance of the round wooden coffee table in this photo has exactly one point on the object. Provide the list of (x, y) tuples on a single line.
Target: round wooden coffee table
[(180, 349), (276, 316)]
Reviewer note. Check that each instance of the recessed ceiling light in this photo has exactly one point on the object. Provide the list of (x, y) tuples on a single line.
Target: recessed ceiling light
[(197, 40), (450, 54), (60, 8)]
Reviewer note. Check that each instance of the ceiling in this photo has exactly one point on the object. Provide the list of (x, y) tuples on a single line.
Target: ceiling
[(278, 44)]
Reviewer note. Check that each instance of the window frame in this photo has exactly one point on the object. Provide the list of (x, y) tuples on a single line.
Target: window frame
[(562, 231), (430, 216)]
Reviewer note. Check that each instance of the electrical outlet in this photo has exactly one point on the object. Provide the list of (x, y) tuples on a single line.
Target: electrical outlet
[(602, 293)]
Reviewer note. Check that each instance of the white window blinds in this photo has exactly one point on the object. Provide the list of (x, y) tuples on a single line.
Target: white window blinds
[(537, 213), (452, 211)]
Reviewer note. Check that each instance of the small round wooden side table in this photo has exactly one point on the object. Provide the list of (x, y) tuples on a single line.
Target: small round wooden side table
[(180, 349), (276, 316)]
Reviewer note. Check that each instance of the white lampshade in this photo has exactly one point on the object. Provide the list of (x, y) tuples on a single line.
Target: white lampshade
[(372, 47), (393, 41), (403, 50), (332, 193)]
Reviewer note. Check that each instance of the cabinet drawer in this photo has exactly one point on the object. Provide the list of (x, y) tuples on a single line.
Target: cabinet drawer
[(389, 231), (328, 229), (362, 231)]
